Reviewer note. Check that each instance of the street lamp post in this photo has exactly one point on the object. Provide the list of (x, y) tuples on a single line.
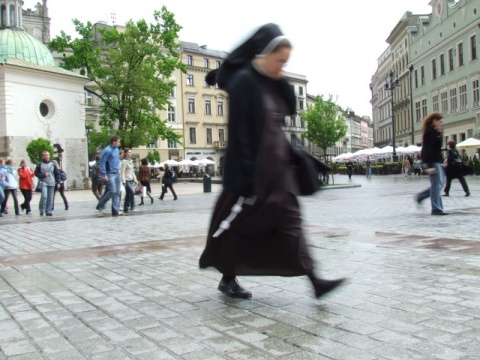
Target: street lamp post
[(390, 86), (410, 69)]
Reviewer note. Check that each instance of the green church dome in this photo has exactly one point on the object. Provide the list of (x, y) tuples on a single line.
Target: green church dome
[(20, 45)]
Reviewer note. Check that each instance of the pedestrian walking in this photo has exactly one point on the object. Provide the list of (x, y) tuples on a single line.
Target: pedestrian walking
[(368, 165), (417, 165), (144, 176), (10, 188), (49, 177), (454, 169), (3, 174), (349, 166), (406, 165), (60, 189), (129, 180), (432, 159), (168, 183), (98, 183), (25, 183), (256, 224), (110, 167)]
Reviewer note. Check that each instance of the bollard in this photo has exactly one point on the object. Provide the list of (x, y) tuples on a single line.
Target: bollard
[(207, 183)]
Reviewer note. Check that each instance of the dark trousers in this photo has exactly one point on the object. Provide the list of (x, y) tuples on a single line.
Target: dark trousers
[(164, 190), (61, 190), (15, 200), (462, 182), (27, 198)]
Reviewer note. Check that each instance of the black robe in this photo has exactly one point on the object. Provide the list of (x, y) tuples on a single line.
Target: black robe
[(266, 237)]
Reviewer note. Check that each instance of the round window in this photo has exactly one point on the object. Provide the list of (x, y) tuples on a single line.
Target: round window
[(44, 109)]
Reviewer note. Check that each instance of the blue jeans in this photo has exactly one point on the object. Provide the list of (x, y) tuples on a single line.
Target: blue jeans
[(2, 195), (369, 171), (129, 203), (437, 180), (112, 192), (46, 200)]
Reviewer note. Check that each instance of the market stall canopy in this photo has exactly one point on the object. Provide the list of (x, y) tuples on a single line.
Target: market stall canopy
[(469, 143)]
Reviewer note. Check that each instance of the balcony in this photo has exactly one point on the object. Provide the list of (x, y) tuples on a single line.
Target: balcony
[(219, 145)]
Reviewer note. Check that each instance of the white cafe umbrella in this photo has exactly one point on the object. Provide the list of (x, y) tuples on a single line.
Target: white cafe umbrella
[(206, 162), (185, 162), (469, 143), (171, 163)]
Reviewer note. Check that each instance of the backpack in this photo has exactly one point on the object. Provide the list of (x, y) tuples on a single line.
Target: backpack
[(63, 175)]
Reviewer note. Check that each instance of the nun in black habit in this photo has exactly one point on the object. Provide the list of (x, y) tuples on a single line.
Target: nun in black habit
[(256, 225)]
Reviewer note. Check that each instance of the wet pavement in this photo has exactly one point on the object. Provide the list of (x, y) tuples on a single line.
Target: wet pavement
[(84, 285)]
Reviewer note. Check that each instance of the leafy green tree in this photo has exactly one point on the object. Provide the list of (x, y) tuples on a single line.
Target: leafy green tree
[(153, 156), (36, 147), (97, 139), (131, 72), (324, 123)]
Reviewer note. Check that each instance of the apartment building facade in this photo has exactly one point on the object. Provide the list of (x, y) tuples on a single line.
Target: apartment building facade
[(446, 67)]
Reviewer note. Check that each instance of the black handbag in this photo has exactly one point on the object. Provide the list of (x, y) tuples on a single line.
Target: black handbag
[(39, 186), (308, 170)]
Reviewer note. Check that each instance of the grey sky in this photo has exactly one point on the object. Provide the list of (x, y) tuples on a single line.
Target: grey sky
[(336, 43)]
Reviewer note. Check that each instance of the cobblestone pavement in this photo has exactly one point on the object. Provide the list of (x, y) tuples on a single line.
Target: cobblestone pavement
[(82, 285)]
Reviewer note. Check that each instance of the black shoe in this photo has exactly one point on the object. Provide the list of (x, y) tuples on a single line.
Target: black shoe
[(324, 286), (175, 198), (151, 201), (467, 194), (141, 204), (445, 195), (41, 213), (49, 214), (440, 213), (66, 207), (234, 289), (22, 206), (418, 200)]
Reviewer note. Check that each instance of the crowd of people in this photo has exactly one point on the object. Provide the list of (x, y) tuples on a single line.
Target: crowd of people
[(113, 174)]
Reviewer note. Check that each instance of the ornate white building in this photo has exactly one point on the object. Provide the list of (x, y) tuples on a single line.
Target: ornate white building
[(37, 98)]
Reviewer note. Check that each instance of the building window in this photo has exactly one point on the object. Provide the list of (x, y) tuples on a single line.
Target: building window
[(209, 136), (205, 84), (88, 99), (475, 93), (422, 75), (462, 137), (172, 144), (424, 108), (462, 92), (453, 101), (171, 114), (300, 104), (473, 47), (300, 91), (442, 64), (152, 144), (189, 79), (172, 93), (418, 111), (444, 103), (450, 60), (206, 63), (292, 120), (460, 54), (220, 108), (193, 135), (191, 106), (415, 77), (217, 64), (208, 107), (221, 135), (435, 102), (189, 60), (434, 69)]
